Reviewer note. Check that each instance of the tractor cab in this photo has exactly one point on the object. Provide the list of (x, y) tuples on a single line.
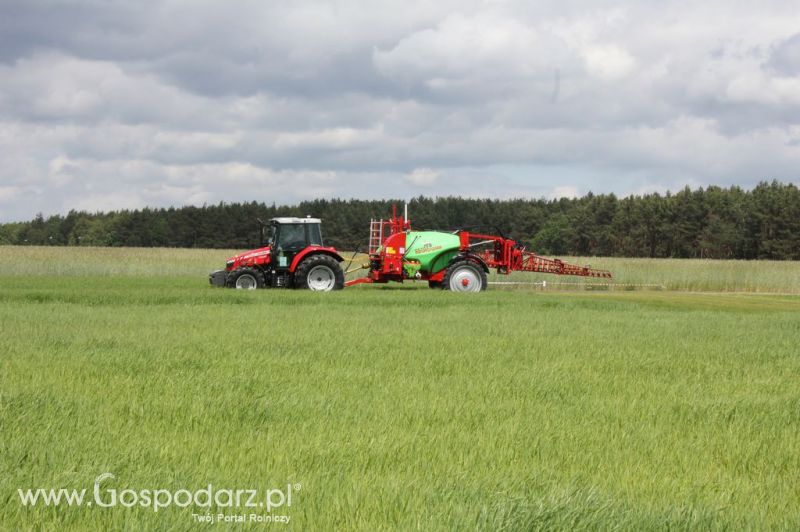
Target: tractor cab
[(289, 236)]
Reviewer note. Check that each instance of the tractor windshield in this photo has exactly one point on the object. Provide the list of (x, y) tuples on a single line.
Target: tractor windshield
[(292, 237)]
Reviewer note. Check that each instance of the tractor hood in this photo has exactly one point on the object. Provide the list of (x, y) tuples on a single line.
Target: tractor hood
[(249, 258)]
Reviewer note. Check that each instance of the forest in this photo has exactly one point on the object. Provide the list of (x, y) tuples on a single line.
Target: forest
[(711, 222)]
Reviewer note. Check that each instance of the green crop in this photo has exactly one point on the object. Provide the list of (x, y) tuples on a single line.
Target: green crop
[(401, 408)]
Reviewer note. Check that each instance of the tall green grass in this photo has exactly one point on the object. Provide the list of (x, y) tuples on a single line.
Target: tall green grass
[(668, 274), (26, 261), (393, 408), (701, 275)]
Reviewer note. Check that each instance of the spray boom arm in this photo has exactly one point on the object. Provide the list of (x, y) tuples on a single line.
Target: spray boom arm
[(506, 256)]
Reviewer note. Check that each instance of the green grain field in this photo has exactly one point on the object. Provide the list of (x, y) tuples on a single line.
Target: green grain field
[(400, 407)]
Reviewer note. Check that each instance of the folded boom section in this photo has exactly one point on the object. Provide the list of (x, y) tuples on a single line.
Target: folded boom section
[(534, 263), (507, 256)]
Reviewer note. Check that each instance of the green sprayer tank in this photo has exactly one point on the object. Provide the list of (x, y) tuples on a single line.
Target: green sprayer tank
[(432, 249)]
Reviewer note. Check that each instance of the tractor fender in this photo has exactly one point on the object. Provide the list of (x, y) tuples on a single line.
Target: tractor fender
[(313, 250)]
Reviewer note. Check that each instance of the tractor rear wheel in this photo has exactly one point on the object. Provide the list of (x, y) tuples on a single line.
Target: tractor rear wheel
[(465, 276), (246, 279), (320, 273)]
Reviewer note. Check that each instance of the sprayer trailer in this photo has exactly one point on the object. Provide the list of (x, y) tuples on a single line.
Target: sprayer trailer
[(295, 257), (457, 261)]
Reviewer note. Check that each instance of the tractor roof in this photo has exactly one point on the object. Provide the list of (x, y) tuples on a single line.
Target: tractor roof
[(288, 220)]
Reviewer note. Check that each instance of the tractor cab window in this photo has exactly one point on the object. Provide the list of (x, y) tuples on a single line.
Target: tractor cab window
[(292, 237), (314, 235)]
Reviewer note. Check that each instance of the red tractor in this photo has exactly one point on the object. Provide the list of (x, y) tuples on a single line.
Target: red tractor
[(293, 257)]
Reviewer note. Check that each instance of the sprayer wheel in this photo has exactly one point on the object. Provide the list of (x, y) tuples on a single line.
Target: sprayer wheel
[(465, 276)]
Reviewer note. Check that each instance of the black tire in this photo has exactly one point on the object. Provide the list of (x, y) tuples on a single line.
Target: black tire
[(319, 272), (246, 279), (465, 276), (435, 285)]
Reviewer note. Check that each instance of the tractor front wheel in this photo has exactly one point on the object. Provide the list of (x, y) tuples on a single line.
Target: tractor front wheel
[(246, 279), (320, 273), (465, 276)]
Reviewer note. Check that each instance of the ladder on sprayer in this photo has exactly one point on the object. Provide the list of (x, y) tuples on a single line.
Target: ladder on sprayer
[(375, 236)]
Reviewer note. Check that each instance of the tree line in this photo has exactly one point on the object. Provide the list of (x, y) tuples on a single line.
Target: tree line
[(712, 222)]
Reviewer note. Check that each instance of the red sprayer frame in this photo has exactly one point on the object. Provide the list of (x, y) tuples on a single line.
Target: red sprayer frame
[(506, 256), (503, 254)]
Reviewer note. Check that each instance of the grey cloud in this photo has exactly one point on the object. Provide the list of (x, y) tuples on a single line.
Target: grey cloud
[(785, 58), (115, 104), (99, 30)]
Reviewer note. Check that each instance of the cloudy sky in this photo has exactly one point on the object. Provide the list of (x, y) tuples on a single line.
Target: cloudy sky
[(123, 104)]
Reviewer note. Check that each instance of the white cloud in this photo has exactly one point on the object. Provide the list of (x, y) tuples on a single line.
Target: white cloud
[(114, 106), (564, 192), (461, 46), (60, 171), (107, 201), (608, 62), (424, 177), (9, 193)]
